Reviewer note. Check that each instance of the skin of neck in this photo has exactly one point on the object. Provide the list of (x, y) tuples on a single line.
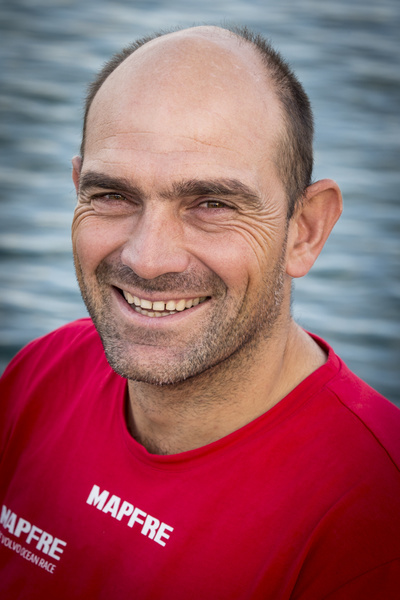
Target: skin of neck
[(177, 418)]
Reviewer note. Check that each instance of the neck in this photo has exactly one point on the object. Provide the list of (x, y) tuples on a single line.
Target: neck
[(177, 418)]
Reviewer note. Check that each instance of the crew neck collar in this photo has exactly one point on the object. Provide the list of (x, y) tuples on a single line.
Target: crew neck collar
[(271, 418)]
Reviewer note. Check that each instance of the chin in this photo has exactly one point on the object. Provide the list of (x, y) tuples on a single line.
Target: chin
[(131, 364)]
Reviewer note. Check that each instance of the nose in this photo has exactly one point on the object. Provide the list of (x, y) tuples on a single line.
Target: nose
[(156, 243)]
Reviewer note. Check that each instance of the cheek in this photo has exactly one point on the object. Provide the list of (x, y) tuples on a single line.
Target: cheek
[(240, 255), (93, 240), (253, 248)]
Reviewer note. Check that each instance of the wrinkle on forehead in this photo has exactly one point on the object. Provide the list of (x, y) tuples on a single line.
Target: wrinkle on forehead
[(155, 143)]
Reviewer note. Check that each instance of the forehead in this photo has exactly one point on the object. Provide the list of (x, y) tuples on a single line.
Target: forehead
[(183, 96)]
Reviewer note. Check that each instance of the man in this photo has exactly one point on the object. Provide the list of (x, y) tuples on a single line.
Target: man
[(220, 451)]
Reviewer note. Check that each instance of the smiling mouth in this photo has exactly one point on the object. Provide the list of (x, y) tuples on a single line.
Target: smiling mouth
[(160, 308)]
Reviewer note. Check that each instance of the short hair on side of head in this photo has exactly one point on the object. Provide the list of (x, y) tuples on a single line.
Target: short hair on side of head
[(294, 159)]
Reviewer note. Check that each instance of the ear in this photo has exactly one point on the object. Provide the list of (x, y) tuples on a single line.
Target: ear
[(76, 171), (311, 225)]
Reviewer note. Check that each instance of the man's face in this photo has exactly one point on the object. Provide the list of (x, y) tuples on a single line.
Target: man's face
[(180, 211)]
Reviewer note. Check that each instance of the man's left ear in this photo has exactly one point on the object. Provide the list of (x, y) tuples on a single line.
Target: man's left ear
[(76, 171), (311, 225)]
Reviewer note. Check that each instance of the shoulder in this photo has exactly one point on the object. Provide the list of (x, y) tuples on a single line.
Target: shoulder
[(73, 339), (53, 369), (351, 448), (77, 333), (372, 416), (354, 406), (348, 426)]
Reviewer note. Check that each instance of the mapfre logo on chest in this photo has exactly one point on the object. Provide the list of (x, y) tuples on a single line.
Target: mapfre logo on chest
[(121, 510)]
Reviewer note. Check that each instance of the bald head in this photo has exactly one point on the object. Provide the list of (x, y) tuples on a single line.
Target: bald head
[(206, 79), (204, 58), (198, 84)]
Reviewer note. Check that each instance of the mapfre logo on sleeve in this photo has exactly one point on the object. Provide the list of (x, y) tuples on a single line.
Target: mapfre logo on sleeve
[(29, 541)]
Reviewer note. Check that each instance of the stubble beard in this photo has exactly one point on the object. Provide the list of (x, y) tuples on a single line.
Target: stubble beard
[(233, 331)]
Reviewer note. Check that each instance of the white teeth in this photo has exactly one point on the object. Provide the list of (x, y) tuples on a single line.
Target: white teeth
[(170, 305), (159, 308), (180, 305), (146, 304)]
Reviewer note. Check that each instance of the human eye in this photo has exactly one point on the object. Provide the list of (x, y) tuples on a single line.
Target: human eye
[(212, 203), (112, 203)]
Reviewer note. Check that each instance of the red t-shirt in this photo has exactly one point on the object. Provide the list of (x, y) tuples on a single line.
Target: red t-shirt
[(302, 503)]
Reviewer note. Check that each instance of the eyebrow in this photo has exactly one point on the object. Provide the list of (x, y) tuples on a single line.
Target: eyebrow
[(92, 179), (214, 187), (182, 189)]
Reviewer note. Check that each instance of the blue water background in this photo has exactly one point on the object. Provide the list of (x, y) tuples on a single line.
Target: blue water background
[(346, 53)]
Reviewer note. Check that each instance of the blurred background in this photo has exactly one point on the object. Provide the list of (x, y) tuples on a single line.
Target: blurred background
[(346, 53)]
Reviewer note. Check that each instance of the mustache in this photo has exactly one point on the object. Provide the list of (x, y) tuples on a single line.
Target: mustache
[(188, 281)]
